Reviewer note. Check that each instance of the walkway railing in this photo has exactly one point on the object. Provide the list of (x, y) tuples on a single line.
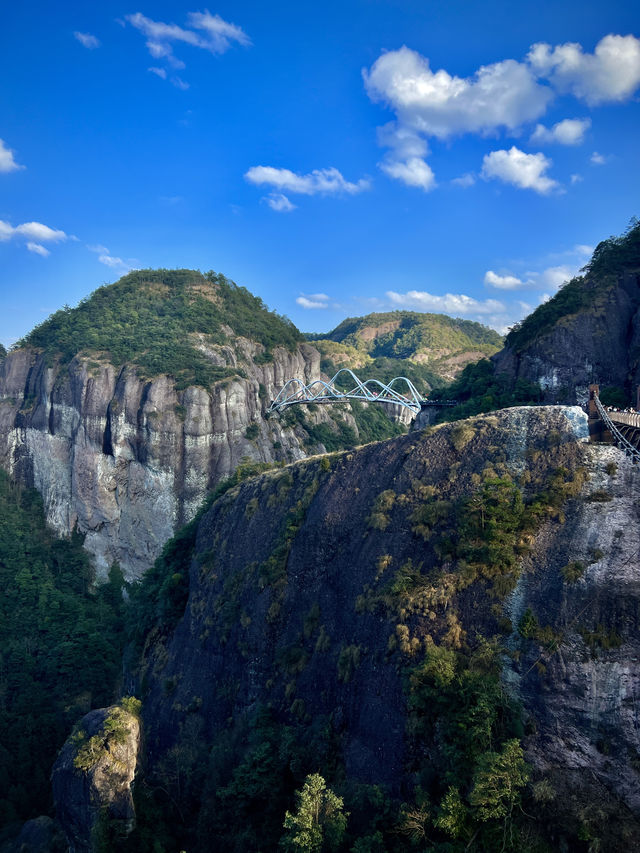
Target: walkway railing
[(621, 440)]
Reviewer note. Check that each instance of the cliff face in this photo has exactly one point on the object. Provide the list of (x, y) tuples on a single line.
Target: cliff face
[(313, 588), (599, 344), (127, 460)]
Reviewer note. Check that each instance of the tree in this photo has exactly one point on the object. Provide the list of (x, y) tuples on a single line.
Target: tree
[(498, 781), (319, 822)]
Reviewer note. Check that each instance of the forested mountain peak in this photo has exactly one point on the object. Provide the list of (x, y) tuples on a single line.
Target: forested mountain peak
[(407, 334), (158, 321)]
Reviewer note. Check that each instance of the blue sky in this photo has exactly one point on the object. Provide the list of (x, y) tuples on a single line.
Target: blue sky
[(334, 158)]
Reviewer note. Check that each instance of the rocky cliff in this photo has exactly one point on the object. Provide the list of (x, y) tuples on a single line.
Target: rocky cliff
[(125, 450), (92, 779), (588, 333), (127, 460), (357, 605)]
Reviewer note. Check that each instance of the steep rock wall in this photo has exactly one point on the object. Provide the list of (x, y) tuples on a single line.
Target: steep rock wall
[(254, 634), (127, 460), (600, 345)]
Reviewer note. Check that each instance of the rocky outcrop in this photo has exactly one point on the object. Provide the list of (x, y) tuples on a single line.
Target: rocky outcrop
[(286, 609), (92, 779), (127, 460), (599, 344)]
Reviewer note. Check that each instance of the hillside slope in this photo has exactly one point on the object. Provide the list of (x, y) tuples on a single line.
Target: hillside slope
[(434, 348)]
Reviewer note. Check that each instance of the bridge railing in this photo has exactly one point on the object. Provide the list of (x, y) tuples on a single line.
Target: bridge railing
[(629, 418), (621, 440)]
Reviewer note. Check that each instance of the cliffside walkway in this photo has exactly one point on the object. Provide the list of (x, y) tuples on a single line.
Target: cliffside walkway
[(623, 426), (370, 391)]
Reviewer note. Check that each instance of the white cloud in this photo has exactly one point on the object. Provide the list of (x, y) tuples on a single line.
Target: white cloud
[(576, 179), (34, 233), (34, 230), (179, 83), (503, 282), (464, 181), (450, 303), (570, 131), (87, 40), (526, 171), (319, 182), (160, 72), (313, 301), (505, 94), (38, 249), (205, 31), (7, 159), (611, 73), (414, 172), (40, 232), (598, 159), (280, 203)]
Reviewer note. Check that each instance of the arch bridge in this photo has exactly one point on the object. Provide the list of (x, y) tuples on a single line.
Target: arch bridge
[(400, 391)]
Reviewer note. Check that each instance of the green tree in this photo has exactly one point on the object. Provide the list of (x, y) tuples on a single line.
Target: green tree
[(498, 780), (319, 822)]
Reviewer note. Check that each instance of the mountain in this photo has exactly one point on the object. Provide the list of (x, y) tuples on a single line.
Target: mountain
[(442, 625), (589, 332), (436, 346), (125, 411)]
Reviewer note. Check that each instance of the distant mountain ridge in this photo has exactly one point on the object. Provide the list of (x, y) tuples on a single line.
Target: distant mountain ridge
[(437, 346)]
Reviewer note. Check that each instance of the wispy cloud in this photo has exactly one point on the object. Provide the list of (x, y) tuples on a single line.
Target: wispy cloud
[(450, 303), (38, 249), (279, 202), (7, 159), (526, 171), (87, 40), (313, 301), (598, 159), (319, 182), (203, 30), (105, 257)]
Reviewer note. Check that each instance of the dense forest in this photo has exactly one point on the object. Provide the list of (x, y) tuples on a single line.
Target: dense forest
[(60, 648), (151, 319)]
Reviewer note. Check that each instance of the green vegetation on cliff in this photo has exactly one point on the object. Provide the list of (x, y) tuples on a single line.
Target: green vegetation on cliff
[(155, 320), (480, 389), (609, 260), (60, 648)]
